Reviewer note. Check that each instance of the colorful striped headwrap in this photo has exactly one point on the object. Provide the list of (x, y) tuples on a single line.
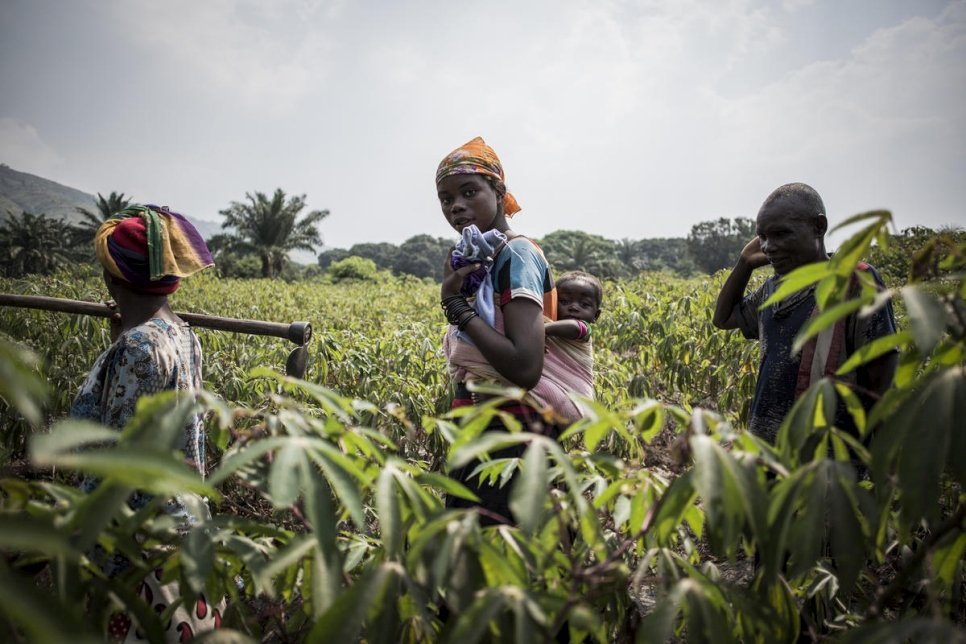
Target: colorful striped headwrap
[(476, 157), (151, 248)]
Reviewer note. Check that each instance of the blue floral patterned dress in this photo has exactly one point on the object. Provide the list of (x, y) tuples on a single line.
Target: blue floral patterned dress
[(152, 357)]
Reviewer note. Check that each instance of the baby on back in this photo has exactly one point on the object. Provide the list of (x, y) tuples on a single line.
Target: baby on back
[(569, 359)]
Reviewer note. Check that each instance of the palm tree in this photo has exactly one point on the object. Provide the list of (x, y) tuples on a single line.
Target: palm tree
[(629, 255), (36, 244), (268, 228), (575, 250), (106, 208)]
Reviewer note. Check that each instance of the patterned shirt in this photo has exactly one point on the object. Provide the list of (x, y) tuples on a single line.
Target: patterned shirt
[(152, 357)]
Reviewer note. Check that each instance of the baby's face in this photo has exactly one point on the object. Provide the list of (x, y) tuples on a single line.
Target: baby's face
[(577, 300)]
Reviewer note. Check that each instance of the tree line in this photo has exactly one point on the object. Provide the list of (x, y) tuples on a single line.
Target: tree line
[(711, 246), (261, 231)]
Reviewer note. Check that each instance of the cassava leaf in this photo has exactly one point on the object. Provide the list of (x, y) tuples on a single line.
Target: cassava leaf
[(387, 508), (158, 472), (283, 479), (485, 444), (30, 534), (825, 319), (919, 469), (531, 490), (69, 435), (801, 277), (321, 513), (927, 317), (447, 485), (343, 621), (878, 347), (675, 503), (197, 558)]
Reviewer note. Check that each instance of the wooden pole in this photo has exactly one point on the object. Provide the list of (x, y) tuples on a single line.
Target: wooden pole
[(298, 332)]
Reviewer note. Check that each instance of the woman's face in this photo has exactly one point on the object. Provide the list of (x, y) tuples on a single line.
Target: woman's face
[(470, 199)]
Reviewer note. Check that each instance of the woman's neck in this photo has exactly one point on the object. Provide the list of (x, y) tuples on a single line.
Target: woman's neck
[(138, 309)]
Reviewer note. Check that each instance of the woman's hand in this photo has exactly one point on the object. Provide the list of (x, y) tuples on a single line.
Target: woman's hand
[(453, 279), (517, 353)]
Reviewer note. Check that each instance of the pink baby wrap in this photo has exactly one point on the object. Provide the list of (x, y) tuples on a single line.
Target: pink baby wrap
[(568, 367)]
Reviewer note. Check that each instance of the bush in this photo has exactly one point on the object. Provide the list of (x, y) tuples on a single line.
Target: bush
[(353, 268), (231, 264), (914, 252)]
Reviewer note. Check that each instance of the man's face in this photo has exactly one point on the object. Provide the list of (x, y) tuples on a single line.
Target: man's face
[(788, 239)]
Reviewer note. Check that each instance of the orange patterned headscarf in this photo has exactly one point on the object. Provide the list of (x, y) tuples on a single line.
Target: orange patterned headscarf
[(476, 157)]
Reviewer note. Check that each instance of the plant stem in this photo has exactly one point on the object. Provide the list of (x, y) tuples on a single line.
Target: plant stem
[(957, 521)]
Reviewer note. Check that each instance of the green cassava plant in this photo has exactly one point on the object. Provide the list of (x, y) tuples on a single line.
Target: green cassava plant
[(654, 518)]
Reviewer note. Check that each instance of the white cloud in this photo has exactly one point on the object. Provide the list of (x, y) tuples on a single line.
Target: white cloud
[(627, 118), (22, 148), (265, 55), (791, 6), (879, 128), (901, 81)]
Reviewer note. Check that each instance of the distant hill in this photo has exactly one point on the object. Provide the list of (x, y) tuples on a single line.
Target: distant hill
[(20, 191)]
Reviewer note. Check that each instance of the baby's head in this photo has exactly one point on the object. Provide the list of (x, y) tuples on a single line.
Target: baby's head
[(579, 297)]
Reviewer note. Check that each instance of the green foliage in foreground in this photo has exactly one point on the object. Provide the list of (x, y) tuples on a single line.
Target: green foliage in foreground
[(328, 524)]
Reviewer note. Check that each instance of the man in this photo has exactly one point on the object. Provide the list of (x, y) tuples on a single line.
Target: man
[(791, 229)]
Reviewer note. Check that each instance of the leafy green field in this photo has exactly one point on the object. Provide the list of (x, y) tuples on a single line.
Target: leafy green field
[(640, 525), (381, 342)]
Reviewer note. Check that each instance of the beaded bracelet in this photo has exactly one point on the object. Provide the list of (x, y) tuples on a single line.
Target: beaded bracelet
[(583, 330), (466, 319), (457, 310)]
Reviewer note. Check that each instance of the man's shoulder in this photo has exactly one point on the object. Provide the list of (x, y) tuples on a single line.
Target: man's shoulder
[(864, 268)]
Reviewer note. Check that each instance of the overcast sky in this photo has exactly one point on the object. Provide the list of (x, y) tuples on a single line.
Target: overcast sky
[(623, 119)]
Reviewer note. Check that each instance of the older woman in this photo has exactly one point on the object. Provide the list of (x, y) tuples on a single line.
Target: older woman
[(145, 251)]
